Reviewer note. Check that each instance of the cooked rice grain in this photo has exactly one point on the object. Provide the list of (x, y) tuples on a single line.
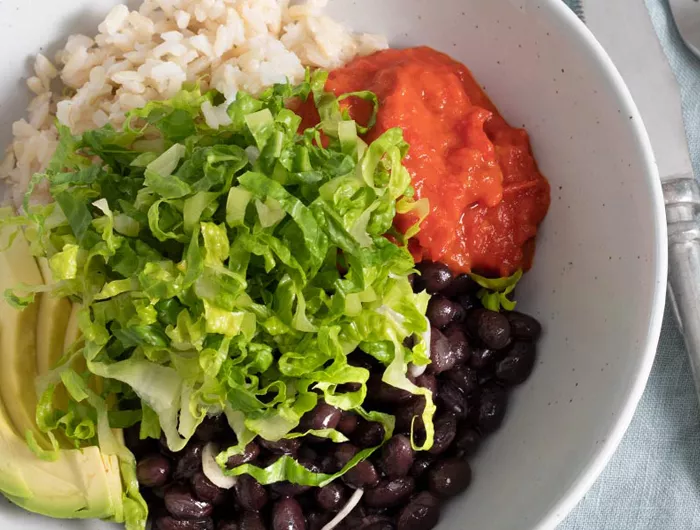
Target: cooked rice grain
[(137, 56)]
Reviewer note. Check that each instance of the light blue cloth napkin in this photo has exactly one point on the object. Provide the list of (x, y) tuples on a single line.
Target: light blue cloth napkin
[(653, 481)]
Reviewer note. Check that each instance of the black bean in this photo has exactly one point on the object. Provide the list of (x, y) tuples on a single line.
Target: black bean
[(451, 399), (287, 489), (428, 381), (421, 513), (405, 414), (524, 327), (473, 403), (317, 520), (360, 359), (344, 452), (309, 458), (442, 312), (467, 441), (487, 377), (348, 423), (368, 434), (491, 327), (397, 456), (189, 461), (251, 521), (469, 301), (250, 493), (227, 525), (180, 502), (484, 358), (355, 519), (465, 378), (348, 387), (267, 459), (212, 428), (459, 344), (312, 465), (207, 491), (167, 522), (287, 515), (351, 522), (283, 446), (153, 471), (363, 475), (328, 464), (307, 453), (307, 502), (331, 497), (441, 355), (323, 416), (462, 285), (492, 409), (449, 477), (389, 493), (250, 453), (445, 432), (518, 364), (434, 277), (375, 522), (419, 434), (380, 392), (421, 464)]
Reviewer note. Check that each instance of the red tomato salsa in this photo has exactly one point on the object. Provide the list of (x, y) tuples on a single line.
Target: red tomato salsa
[(487, 196)]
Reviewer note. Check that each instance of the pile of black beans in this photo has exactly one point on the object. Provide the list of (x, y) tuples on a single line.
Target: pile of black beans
[(477, 357)]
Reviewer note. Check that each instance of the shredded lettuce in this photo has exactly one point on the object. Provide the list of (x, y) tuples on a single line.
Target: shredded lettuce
[(228, 270), (287, 468), (494, 291)]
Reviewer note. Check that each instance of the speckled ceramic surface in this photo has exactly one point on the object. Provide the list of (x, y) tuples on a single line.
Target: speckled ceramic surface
[(599, 276)]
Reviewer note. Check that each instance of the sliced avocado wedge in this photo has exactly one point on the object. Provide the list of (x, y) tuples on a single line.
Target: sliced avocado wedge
[(52, 322), (12, 482), (18, 338), (79, 483), (57, 330)]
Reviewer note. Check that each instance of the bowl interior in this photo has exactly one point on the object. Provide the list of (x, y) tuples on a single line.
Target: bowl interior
[(599, 274)]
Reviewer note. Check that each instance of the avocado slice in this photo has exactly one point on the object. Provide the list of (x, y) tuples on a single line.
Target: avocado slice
[(57, 330), (79, 483), (18, 338), (52, 322)]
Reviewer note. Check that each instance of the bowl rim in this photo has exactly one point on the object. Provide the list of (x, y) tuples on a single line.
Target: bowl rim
[(604, 452)]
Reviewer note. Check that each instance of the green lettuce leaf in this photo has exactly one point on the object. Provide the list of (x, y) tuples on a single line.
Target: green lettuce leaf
[(227, 270), (494, 292)]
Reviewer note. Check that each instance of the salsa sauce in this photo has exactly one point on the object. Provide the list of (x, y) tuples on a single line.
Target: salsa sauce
[(487, 196)]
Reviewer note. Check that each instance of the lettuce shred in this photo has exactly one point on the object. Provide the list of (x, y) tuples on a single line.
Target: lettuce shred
[(227, 270), (494, 292)]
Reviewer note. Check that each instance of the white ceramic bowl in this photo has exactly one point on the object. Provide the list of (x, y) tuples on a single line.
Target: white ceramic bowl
[(599, 278)]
